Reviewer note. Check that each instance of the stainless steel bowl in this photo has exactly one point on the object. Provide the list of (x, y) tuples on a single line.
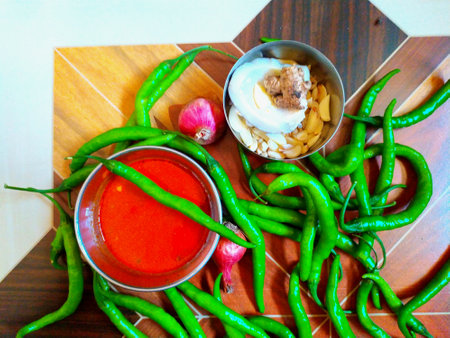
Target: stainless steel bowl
[(90, 237), (321, 68)]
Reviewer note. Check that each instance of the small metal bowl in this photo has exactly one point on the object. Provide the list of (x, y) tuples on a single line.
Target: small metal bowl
[(91, 241), (321, 68)]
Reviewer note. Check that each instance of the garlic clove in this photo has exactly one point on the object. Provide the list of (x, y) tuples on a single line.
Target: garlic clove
[(302, 136), (314, 124), (264, 146), (253, 146), (275, 155), (324, 109), (294, 151), (313, 140), (246, 137), (277, 138), (272, 145), (322, 92), (235, 120), (260, 133)]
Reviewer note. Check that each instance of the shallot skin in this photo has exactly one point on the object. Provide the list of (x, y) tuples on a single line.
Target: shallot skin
[(226, 255), (203, 120)]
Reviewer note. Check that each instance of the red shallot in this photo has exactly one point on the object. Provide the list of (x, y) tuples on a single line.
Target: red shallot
[(227, 254), (203, 120)]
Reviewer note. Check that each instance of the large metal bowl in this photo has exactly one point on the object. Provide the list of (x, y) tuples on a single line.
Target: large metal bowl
[(91, 241), (321, 68)]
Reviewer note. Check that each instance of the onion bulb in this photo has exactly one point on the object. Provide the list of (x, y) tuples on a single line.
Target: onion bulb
[(227, 254), (203, 120)]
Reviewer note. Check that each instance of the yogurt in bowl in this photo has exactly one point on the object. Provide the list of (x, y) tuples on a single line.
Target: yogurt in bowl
[(261, 111)]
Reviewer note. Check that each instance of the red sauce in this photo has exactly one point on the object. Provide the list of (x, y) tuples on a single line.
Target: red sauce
[(143, 233)]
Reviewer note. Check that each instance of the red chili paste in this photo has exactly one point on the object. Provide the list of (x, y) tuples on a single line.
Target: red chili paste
[(143, 233)]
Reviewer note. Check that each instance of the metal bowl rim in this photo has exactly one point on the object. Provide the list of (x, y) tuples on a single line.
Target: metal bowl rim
[(90, 261), (281, 42)]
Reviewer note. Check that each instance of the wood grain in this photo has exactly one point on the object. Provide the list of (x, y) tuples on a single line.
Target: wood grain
[(354, 34), (94, 90), (35, 288)]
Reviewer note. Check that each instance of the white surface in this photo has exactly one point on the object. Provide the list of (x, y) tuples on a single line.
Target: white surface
[(418, 17), (29, 32)]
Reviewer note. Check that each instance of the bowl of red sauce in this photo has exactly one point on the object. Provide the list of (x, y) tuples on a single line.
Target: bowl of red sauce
[(136, 242)]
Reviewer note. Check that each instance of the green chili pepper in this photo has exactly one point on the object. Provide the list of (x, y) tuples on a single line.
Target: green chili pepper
[(335, 311), (243, 220), (292, 202), (332, 187), (414, 116), (277, 228), (74, 180), (277, 214), (149, 310), (385, 180), (352, 153), (185, 146), (184, 206), (245, 162), (395, 304), (361, 310), (225, 314), (131, 122), (416, 206), (75, 273), (308, 236), (184, 313), (265, 39), (343, 242), (237, 212), (154, 79), (56, 250), (363, 196), (149, 94), (114, 314), (329, 231), (436, 284), (387, 156), (295, 303), (159, 140), (109, 137), (276, 199), (272, 326), (336, 195), (230, 331)]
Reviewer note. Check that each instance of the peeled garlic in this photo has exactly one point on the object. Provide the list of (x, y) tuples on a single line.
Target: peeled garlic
[(324, 108), (291, 140), (278, 138), (302, 136), (294, 151), (275, 154), (321, 92), (314, 124), (253, 146), (272, 145), (264, 146), (260, 133), (235, 120), (246, 137), (313, 140)]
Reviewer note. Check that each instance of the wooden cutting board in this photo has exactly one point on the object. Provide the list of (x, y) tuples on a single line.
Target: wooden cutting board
[(94, 91)]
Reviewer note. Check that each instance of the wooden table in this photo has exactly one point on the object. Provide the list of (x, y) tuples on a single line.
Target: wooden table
[(94, 90)]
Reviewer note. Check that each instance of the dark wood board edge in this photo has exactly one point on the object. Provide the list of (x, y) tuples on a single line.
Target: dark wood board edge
[(354, 34)]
